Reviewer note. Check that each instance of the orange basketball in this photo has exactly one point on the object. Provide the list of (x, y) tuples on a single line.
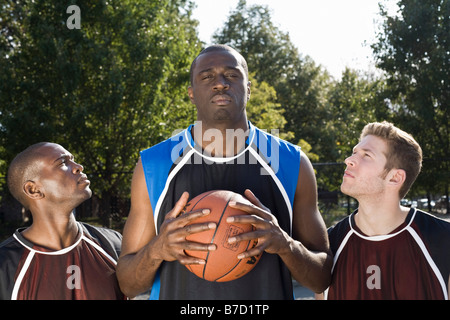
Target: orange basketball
[(222, 264)]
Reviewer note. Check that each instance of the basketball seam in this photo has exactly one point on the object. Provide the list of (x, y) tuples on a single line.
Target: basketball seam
[(193, 207), (214, 235), (234, 267)]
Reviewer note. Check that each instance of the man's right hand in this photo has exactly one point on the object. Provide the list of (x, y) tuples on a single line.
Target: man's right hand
[(171, 241)]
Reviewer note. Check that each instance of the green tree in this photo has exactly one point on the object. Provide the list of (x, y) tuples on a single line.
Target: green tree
[(354, 101), (413, 48), (104, 91), (298, 82), (263, 109)]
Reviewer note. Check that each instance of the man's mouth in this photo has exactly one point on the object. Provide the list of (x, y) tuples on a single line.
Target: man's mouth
[(83, 179), (221, 99), (347, 174)]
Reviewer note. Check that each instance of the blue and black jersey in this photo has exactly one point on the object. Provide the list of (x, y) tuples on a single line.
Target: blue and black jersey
[(267, 165)]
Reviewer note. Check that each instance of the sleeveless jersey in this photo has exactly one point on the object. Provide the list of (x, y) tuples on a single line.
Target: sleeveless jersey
[(82, 271), (268, 166), (410, 263)]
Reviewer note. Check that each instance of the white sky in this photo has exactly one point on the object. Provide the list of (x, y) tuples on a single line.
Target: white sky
[(332, 32)]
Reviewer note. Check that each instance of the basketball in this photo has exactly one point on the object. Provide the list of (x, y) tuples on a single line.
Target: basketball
[(222, 264)]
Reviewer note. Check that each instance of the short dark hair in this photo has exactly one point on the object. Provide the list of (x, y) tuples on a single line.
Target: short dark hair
[(23, 168), (218, 47)]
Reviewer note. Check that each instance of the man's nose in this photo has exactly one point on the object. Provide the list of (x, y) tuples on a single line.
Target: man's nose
[(350, 161), (221, 84), (77, 168)]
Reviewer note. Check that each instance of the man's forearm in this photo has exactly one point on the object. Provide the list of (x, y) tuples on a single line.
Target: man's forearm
[(137, 271), (309, 268)]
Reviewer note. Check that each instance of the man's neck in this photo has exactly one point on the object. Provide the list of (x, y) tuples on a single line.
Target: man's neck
[(220, 141), (380, 219), (51, 233)]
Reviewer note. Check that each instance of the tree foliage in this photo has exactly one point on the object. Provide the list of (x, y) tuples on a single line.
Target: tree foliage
[(263, 109), (323, 115), (298, 82), (118, 84), (104, 91), (413, 49)]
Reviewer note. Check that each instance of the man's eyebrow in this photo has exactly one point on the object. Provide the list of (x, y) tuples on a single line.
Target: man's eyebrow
[(226, 68), (368, 150), (364, 149), (64, 155), (206, 70)]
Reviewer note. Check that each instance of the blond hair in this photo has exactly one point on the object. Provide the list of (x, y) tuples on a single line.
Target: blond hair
[(403, 151)]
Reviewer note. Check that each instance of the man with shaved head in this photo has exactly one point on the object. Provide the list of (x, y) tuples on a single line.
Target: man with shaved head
[(223, 151), (56, 258)]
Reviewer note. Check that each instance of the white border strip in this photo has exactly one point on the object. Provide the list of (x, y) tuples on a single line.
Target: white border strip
[(22, 274), (382, 237), (220, 159), (278, 183), (336, 256), (429, 260), (53, 253), (100, 249), (32, 252), (166, 187)]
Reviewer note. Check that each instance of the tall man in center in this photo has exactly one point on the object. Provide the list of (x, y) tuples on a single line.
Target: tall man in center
[(223, 150)]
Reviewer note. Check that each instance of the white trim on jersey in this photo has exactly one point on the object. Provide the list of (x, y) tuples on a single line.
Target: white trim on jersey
[(336, 256), (96, 246), (166, 187), (407, 228), (429, 260), (54, 253), (221, 159), (277, 182), (32, 253), (22, 273), (382, 237)]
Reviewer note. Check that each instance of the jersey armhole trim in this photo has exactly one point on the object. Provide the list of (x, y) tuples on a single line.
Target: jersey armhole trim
[(166, 187), (278, 183), (429, 260), (22, 273)]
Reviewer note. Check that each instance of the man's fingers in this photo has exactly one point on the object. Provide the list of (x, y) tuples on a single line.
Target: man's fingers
[(179, 206), (253, 199), (199, 227)]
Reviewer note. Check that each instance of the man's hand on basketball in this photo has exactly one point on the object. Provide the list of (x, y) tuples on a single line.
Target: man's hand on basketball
[(174, 230), (271, 238)]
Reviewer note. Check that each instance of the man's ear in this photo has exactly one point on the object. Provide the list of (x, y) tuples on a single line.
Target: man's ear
[(32, 190), (397, 177), (191, 94)]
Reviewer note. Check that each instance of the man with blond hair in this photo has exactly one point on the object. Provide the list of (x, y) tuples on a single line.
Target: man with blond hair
[(384, 250)]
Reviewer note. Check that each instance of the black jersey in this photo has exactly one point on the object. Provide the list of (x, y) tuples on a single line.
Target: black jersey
[(268, 166), (84, 270), (410, 263)]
